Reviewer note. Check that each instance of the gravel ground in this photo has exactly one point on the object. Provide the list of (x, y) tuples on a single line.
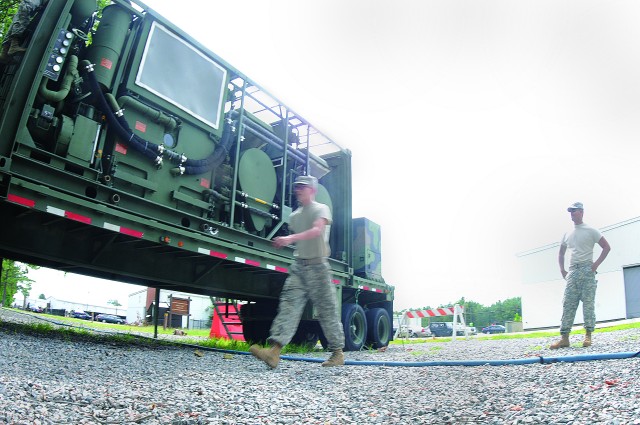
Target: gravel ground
[(57, 381)]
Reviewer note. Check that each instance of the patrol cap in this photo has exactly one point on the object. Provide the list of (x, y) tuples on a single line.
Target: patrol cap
[(307, 181), (575, 206)]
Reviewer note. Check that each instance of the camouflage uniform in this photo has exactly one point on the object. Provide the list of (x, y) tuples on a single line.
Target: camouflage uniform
[(581, 286), (308, 282)]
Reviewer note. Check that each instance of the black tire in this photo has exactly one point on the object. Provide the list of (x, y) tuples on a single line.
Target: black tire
[(378, 327), (256, 320), (354, 323), (256, 331), (307, 334)]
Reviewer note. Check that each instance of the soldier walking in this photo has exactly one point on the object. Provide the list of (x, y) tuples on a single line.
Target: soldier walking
[(309, 279)]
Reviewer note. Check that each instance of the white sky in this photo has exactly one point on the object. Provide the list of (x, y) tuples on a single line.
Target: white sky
[(473, 124)]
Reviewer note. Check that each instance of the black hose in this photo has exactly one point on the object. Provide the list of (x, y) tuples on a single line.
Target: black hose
[(150, 149), (123, 132)]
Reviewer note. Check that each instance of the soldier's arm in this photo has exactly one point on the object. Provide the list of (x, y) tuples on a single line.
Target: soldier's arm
[(605, 251), (563, 249)]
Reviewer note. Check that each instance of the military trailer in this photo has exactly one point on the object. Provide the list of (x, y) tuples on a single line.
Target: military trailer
[(131, 152)]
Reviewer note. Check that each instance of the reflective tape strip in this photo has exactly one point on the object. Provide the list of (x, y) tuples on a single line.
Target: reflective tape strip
[(21, 201), (368, 288), (277, 268), (212, 253), (55, 211), (336, 281), (68, 214), (77, 217), (247, 262), (123, 230)]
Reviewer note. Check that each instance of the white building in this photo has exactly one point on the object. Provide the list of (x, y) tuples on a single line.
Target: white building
[(52, 303), (618, 293), (199, 306)]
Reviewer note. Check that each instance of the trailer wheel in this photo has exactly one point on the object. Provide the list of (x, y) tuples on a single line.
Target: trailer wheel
[(354, 323), (256, 331), (379, 327)]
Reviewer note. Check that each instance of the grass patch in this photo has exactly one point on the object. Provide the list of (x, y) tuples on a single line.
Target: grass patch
[(402, 341), (111, 333), (83, 330), (521, 335), (46, 330)]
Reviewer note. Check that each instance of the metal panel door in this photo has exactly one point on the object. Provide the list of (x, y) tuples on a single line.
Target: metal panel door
[(632, 291)]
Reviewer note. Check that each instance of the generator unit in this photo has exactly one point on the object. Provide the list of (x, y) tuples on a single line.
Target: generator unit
[(130, 152)]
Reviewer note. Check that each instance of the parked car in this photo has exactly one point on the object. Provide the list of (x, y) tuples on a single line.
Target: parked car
[(109, 318), (80, 315), (405, 332), (414, 332), (422, 332), (441, 328), (494, 329), (467, 330)]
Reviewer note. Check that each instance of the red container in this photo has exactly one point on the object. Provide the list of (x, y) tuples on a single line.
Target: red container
[(226, 314)]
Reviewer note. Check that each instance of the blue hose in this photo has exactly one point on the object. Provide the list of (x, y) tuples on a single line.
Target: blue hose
[(528, 360)]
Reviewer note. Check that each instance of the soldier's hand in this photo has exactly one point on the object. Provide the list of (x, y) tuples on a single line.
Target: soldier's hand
[(281, 241)]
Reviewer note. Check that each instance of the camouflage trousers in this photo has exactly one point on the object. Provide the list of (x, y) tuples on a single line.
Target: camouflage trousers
[(581, 286), (308, 282)]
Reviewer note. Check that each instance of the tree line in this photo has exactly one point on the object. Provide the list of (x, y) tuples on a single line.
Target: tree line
[(478, 315)]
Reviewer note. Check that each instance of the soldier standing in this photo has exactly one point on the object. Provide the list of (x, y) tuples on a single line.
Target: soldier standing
[(581, 278), (309, 278)]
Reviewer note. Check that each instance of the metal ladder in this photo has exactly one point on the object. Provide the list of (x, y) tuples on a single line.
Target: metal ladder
[(229, 317)]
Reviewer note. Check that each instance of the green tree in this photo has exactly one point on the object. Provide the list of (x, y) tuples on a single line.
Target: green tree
[(114, 303), (42, 297), (481, 316), (472, 312), (14, 279), (24, 287), (8, 8)]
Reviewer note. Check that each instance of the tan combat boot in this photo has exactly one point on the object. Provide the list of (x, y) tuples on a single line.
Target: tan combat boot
[(336, 359), (15, 47), (271, 356), (564, 342), (587, 339)]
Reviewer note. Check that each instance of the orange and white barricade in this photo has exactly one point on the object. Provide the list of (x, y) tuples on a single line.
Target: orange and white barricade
[(456, 311)]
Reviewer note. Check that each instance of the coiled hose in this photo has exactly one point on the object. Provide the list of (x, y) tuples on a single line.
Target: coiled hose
[(150, 149)]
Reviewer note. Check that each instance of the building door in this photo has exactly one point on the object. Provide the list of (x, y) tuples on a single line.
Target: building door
[(632, 291)]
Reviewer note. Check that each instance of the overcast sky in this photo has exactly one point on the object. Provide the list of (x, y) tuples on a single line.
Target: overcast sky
[(473, 124)]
